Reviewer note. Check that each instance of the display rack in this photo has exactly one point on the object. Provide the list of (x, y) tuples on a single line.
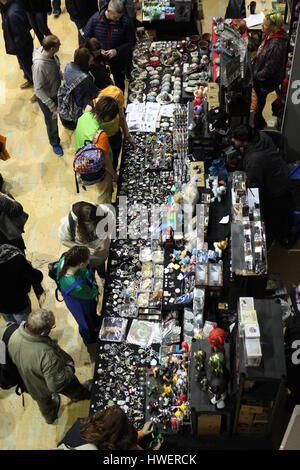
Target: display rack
[(259, 390), (201, 407)]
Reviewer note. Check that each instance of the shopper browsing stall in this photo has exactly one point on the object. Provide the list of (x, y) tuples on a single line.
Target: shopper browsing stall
[(45, 368), (114, 30), (104, 113), (108, 430), (268, 71), (267, 171), (80, 290), (79, 228)]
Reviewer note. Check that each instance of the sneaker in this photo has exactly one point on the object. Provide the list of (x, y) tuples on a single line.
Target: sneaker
[(56, 13), (25, 85), (56, 400), (58, 150), (33, 99)]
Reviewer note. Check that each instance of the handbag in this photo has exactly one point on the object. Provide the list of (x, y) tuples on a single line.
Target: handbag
[(13, 228)]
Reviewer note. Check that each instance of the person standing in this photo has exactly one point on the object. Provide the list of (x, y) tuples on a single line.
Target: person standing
[(47, 79), (114, 30), (12, 221), (37, 11), (56, 8), (80, 12), (17, 38), (45, 368), (17, 277), (79, 227), (267, 171), (268, 70), (80, 290)]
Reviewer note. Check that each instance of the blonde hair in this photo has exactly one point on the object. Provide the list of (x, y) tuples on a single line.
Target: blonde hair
[(273, 20), (113, 92)]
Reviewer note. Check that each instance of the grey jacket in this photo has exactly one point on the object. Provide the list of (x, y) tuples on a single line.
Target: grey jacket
[(44, 367), (46, 77)]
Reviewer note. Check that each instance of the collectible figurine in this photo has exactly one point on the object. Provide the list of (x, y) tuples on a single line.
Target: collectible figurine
[(216, 339)]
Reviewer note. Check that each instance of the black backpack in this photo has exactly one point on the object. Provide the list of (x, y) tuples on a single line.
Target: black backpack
[(9, 374)]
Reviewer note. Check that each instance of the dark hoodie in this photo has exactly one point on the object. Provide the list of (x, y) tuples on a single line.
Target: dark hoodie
[(265, 168), (17, 37)]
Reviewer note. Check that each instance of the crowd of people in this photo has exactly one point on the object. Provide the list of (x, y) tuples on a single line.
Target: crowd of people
[(96, 77)]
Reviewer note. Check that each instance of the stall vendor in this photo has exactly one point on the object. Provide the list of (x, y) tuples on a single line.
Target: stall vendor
[(267, 171)]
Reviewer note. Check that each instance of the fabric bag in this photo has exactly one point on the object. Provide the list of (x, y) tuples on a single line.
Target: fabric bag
[(12, 228), (67, 107), (89, 162)]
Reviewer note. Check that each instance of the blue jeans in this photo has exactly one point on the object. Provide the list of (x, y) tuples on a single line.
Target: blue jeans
[(38, 21), (51, 124), (25, 61), (18, 317)]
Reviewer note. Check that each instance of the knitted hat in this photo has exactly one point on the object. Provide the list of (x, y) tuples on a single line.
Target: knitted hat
[(273, 20)]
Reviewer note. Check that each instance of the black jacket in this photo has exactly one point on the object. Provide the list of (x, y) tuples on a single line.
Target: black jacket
[(81, 10), (265, 168), (17, 277), (12, 209), (119, 36), (37, 5), (16, 33)]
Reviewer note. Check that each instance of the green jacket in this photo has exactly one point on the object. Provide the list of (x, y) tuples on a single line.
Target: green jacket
[(44, 367), (83, 291), (87, 126)]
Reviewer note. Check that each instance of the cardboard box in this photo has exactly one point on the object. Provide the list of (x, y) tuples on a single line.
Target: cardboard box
[(252, 330), (253, 352), (208, 425)]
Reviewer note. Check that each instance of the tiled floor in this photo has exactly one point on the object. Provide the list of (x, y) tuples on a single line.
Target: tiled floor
[(44, 184)]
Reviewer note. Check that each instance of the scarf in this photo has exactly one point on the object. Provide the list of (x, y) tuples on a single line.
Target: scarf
[(7, 252), (279, 33)]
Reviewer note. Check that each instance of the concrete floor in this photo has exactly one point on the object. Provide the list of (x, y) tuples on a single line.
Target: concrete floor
[(44, 184)]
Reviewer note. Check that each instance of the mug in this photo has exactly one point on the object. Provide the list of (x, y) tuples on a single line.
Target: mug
[(252, 7)]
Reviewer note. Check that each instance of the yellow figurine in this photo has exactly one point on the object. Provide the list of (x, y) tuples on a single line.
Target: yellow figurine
[(178, 414), (167, 390), (183, 408)]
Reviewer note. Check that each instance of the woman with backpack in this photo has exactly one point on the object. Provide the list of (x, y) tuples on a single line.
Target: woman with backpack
[(80, 291), (79, 228), (78, 78), (90, 129)]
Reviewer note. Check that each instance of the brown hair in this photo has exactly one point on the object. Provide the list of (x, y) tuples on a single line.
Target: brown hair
[(50, 41), (92, 44), (81, 58), (87, 220), (109, 429), (106, 109), (73, 257)]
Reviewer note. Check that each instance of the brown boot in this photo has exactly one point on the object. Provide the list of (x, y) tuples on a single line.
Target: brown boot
[(33, 99), (25, 85)]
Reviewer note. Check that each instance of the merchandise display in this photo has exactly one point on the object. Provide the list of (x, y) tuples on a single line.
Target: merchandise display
[(175, 255)]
